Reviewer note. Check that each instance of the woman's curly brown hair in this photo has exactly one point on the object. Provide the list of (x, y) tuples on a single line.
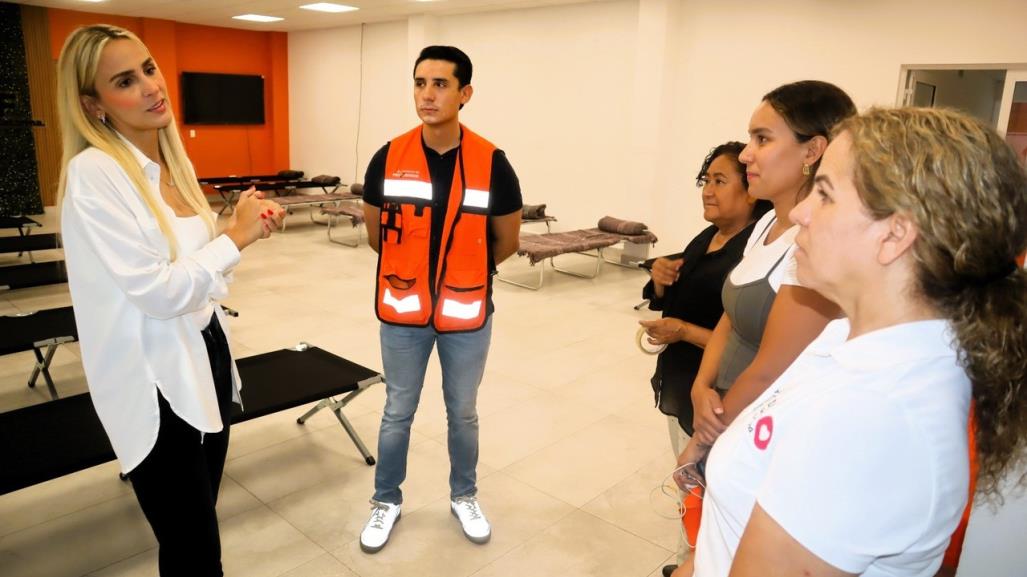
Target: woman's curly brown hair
[(967, 193)]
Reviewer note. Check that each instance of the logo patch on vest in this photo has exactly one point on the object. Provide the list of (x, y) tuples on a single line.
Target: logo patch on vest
[(407, 174)]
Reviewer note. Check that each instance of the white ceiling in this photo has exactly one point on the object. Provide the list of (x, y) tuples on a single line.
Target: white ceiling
[(220, 12)]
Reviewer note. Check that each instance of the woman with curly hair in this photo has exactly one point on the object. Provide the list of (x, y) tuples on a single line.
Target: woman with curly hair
[(854, 462)]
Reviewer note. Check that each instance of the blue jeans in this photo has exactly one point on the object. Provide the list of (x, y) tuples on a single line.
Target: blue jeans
[(405, 352)]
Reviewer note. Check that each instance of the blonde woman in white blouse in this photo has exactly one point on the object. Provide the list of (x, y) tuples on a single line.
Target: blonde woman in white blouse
[(146, 268)]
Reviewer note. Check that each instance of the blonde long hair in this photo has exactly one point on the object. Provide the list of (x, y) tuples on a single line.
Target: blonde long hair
[(76, 69)]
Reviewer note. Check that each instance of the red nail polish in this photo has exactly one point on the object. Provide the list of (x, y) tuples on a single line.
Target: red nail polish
[(264, 216)]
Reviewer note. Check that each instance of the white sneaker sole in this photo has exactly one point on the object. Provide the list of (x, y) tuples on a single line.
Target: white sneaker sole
[(475, 540), (372, 550)]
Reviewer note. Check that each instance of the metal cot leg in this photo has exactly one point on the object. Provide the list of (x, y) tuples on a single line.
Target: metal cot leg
[(534, 287), (598, 258), (353, 436), (43, 366), (336, 408)]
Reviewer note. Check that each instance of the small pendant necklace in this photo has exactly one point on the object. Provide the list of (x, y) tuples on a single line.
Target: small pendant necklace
[(166, 170)]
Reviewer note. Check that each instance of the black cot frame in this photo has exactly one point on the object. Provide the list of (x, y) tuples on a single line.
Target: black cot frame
[(63, 436)]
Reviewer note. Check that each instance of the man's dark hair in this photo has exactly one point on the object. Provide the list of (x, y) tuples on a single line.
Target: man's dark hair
[(461, 62)]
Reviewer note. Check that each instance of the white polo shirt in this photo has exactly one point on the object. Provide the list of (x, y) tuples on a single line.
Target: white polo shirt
[(135, 309), (858, 450)]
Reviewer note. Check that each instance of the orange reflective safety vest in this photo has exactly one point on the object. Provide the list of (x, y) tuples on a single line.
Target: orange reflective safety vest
[(456, 298)]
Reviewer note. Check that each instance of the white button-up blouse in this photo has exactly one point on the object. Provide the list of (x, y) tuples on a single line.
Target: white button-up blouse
[(133, 305)]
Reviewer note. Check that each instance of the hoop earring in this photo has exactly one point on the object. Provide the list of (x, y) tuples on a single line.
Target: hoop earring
[(805, 170)]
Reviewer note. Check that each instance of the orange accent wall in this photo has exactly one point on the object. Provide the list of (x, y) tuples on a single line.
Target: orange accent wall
[(216, 150)]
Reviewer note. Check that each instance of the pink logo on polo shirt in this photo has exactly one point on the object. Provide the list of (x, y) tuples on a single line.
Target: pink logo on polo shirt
[(764, 431)]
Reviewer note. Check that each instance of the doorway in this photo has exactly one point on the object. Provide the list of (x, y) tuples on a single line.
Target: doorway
[(976, 92)]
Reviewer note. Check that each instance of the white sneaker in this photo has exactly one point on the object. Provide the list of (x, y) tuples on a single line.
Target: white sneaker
[(379, 526), (472, 519)]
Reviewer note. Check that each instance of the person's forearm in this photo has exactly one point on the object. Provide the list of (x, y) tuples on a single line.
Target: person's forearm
[(715, 344), (372, 222), (696, 335), (747, 388), (504, 250), (505, 239)]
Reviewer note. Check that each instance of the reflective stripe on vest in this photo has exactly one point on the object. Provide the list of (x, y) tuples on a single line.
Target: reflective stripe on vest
[(407, 304), (459, 310), (407, 189), (476, 198)]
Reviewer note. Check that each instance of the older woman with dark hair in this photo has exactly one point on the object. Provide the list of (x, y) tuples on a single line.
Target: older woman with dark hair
[(854, 462), (687, 288)]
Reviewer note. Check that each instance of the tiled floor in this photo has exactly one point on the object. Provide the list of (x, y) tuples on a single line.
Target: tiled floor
[(571, 449)]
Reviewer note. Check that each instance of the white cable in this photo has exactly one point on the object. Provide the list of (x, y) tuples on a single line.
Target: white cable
[(669, 490), (673, 495)]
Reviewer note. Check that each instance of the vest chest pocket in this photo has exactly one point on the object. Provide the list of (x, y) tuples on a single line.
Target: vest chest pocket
[(405, 232)]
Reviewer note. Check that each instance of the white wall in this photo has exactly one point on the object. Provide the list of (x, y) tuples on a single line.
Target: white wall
[(995, 537), (553, 88), (544, 102), (332, 89), (735, 51), (322, 107)]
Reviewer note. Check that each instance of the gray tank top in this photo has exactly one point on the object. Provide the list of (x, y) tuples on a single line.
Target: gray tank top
[(747, 306)]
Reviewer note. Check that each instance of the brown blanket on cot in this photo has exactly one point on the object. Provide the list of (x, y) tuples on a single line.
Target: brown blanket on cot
[(539, 247)]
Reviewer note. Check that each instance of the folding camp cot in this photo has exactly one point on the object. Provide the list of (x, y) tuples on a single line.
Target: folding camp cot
[(59, 437)]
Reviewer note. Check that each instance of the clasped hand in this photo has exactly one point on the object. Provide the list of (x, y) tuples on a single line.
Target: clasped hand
[(709, 409), (665, 271), (254, 218)]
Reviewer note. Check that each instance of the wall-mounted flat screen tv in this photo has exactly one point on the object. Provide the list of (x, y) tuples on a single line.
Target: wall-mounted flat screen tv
[(222, 98)]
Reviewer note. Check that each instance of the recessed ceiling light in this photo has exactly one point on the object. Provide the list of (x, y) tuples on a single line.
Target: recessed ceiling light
[(329, 7), (257, 18), (94, 1)]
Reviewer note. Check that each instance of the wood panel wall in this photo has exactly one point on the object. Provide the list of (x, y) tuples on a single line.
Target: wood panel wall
[(42, 70)]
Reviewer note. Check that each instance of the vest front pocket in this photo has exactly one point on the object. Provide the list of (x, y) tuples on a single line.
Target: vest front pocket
[(465, 280)]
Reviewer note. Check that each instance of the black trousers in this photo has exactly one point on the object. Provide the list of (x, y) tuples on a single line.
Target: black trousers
[(177, 483)]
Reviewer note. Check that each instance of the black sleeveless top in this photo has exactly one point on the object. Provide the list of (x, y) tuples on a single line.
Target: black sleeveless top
[(694, 298)]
